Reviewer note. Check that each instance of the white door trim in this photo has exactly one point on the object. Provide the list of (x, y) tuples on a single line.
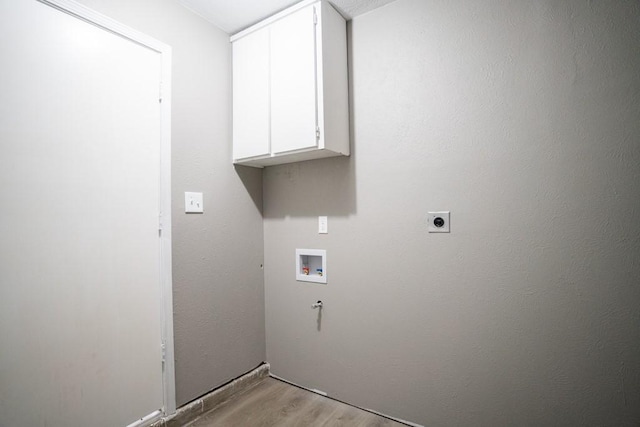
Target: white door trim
[(82, 12)]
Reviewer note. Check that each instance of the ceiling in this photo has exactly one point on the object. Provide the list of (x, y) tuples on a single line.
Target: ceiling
[(235, 15)]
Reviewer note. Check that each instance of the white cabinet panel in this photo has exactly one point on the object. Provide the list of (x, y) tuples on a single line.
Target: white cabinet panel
[(251, 121), (293, 82)]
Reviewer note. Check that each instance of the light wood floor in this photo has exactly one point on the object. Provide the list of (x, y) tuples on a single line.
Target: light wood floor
[(275, 403)]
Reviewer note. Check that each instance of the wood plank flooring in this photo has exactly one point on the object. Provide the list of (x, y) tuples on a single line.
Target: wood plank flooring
[(275, 403)]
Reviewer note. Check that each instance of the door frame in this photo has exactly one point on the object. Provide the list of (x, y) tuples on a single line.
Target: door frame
[(164, 220)]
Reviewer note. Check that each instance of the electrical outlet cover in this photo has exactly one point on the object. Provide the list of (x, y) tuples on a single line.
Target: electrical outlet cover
[(323, 225), (438, 222)]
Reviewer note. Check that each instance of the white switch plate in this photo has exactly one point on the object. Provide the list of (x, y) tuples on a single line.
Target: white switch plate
[(193, 202), (438, 222), (323, 225)]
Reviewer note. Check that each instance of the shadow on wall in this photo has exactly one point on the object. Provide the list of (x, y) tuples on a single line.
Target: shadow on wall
[(252, 180), (312, 188), (315, 187)]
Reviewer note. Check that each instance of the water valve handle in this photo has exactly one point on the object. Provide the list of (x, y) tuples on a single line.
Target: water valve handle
[(317, 305)]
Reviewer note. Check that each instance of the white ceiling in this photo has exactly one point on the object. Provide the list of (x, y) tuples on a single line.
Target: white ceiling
[(235, 15)]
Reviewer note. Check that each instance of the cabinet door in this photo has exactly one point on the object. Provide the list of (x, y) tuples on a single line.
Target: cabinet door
[(251, 125), (293, 82)]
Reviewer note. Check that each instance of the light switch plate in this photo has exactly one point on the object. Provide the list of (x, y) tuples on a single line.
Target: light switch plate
[(193, 202), (323, 225), (438, 222)]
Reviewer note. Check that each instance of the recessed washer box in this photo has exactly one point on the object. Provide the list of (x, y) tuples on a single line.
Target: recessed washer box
[(311, 265)]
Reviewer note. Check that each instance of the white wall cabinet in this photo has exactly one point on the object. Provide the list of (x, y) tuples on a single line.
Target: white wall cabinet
[(290, 87)]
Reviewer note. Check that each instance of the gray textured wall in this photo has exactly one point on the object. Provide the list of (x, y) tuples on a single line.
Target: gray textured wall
[(217, 278), (523, 119)]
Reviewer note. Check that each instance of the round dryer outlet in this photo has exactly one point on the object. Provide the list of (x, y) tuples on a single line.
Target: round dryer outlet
[(438, 222)]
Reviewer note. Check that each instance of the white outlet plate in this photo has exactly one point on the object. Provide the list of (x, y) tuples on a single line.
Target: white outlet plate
[(323, 225), (434, 224), (193, 202)]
